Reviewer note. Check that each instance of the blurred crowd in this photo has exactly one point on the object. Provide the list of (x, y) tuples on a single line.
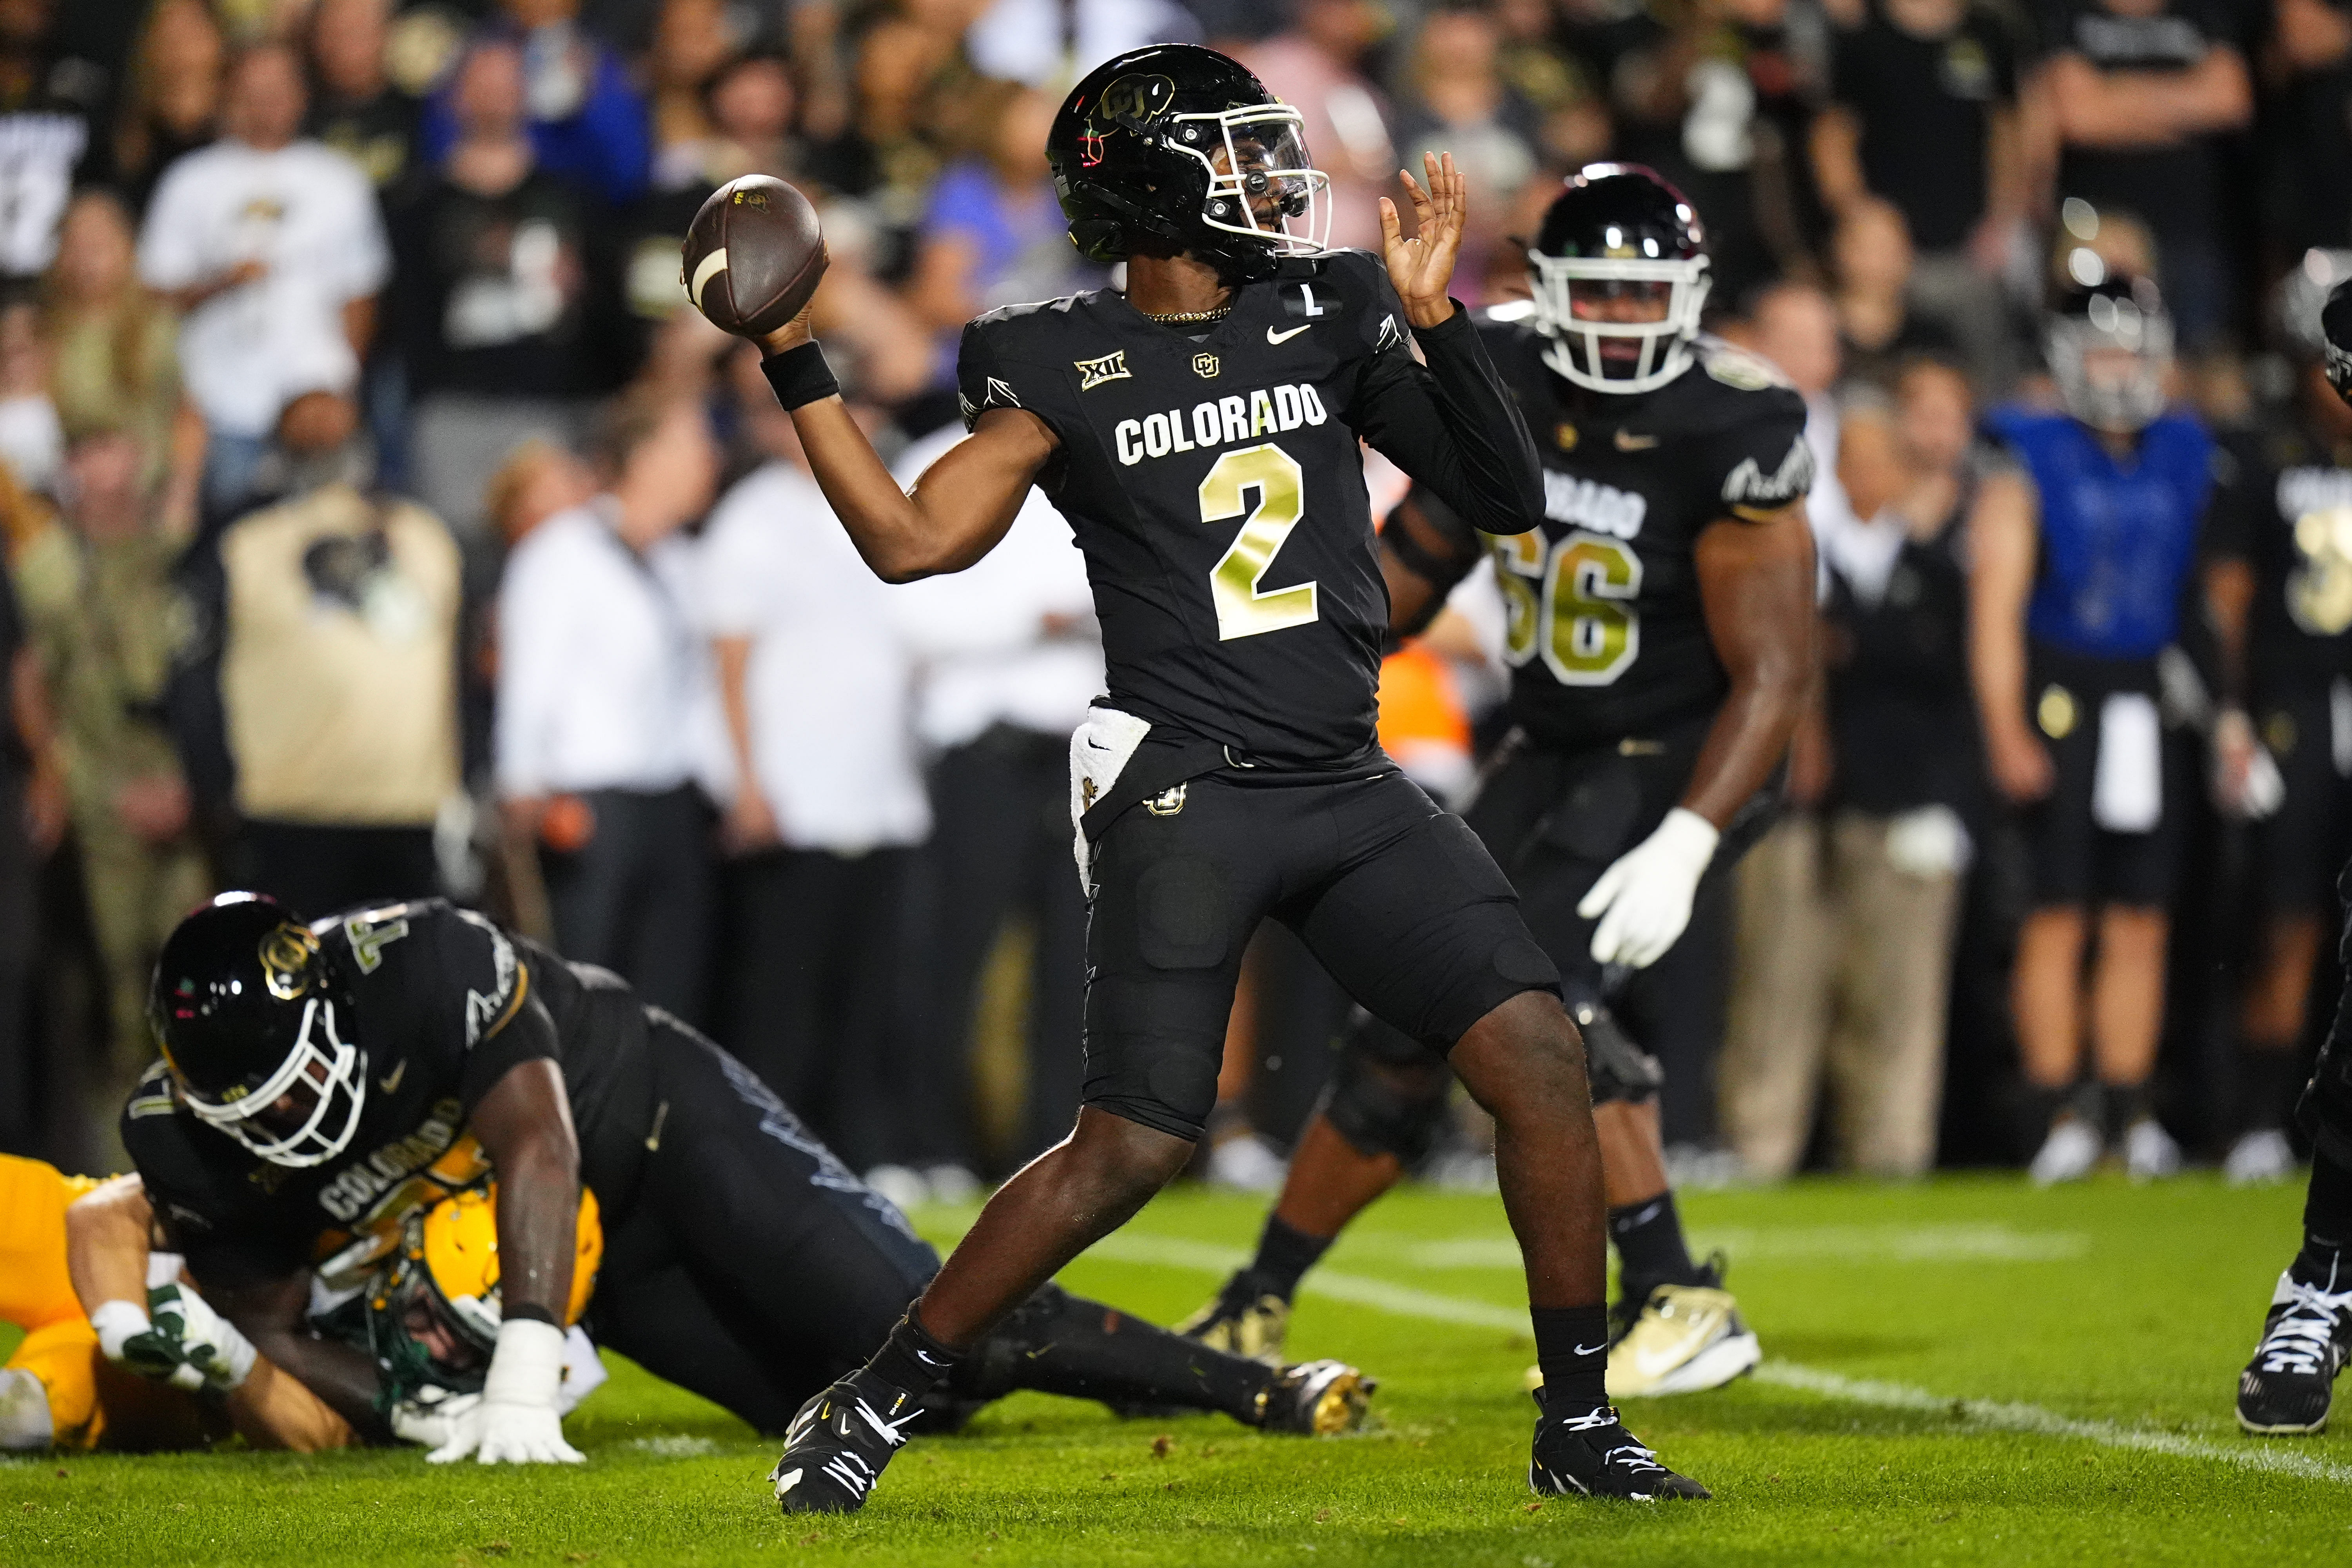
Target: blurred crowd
[(380, 522)]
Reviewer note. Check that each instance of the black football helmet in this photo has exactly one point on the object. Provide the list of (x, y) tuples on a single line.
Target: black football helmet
[(1619, 234), (1174, 148), (2114, 315), (246, 1007), (2335, 326)]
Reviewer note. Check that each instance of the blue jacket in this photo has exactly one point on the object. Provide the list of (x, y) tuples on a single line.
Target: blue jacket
[(2117, 535)]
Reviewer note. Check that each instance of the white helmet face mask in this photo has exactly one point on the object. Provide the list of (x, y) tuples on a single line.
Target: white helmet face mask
[(1261, 184), (333, 1076), (1570, 289), (2098, 397)]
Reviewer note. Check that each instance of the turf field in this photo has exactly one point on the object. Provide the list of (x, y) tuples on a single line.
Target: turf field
[(1966, 1371)]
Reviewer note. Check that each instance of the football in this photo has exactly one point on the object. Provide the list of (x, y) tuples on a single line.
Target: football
[(753, 255)]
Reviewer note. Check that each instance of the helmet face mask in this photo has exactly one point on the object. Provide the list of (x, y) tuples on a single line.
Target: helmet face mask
[(305, 1113), (2109, 347), (1619, 280), (1175, 149)]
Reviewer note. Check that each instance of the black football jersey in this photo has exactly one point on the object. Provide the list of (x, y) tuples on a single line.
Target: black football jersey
[(443, 1005), (1215, 485), (2288, 514), (1606, 636)]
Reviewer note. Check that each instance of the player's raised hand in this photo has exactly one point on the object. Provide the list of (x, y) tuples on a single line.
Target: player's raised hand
[(1421, 267)]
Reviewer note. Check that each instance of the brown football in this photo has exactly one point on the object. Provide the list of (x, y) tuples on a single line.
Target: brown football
[(753, 255)]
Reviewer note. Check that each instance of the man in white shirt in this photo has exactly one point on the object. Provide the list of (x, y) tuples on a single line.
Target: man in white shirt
[(1011, 655), (604, 708), (274, 249), (825, 803)]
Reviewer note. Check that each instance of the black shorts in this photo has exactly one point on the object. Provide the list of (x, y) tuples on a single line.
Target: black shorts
[(2298, 848), (1394, 897), (751, 1267), (1554, 820), (2075, 861)]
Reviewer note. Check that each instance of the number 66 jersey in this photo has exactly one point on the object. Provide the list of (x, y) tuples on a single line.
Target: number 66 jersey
[(1211, 476)]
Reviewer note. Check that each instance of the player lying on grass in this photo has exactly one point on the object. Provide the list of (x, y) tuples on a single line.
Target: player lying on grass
[(130, 1382), (1661, 641), (2289, 1383), (322, 1084), (1201, 432)]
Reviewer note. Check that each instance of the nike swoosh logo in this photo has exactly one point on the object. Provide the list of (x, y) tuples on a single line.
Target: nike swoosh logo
[(1593, 1349), (390, 1082), (1274, 337), (1629, 442)]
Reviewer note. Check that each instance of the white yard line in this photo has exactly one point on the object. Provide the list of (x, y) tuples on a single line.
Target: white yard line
[(1983, 1415)]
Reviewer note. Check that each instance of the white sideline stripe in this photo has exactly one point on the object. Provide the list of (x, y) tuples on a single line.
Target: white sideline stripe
[(1989, 1415)]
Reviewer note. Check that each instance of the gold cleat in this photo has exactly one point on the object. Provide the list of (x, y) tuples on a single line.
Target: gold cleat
[(1314, 1399), (1239, 1323), (1688, 1338)]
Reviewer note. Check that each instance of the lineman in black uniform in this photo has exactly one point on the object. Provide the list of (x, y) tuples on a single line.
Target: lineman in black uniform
[(322, 1083), (1660, 632), (1200, 434), (2306, 1339)]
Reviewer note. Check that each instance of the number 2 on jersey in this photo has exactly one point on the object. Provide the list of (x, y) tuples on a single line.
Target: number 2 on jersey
[(1244, 609), (1571, 601)]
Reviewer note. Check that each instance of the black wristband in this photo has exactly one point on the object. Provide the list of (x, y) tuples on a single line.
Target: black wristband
[(800, 375), (527, 1311)]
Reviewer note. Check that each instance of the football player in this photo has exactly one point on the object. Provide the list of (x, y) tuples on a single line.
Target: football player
[(1660, 634), (323, 1083), (1200, 432), (2306, 1337)]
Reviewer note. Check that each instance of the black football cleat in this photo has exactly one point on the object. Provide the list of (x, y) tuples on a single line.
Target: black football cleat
[(838, 1442), (1592, 1455), (2288, 1386), (1314, 1399)]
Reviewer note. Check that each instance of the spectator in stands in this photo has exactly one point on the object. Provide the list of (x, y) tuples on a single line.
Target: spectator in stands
[(116, 356), (825, 805), (2068, 613), (504, 295), (2143, 92), (994, 234), (32, 821), (50, 124), (1460, 102), (325, 650), (1318, 65), (1010, 658), (1847, 980), (358, 112), (1049, 44), (100, 605), (692, 39), (1559, 84), (171, 103), (605, 707), (2311, 45), (274, 251), (1924, 116), (1871, 261), (587, 120), (32, 441), (1795, 326)]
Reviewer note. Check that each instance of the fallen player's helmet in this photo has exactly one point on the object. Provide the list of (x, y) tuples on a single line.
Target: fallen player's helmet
[(433, 1311), (1620, 273), (1174, 149), (251, 1016), (2109, 345), (2336, 326)]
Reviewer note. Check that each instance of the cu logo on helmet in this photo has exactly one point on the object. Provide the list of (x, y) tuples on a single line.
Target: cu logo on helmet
[(1135, 102), (286, 955)]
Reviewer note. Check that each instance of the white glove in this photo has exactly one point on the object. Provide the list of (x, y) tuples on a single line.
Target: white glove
[(213, 1345), (2246, 780), (517, 1422), (436, 1418), (1644, 900)]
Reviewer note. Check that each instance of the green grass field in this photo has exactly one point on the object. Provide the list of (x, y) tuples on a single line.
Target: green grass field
[(1965, 1371)]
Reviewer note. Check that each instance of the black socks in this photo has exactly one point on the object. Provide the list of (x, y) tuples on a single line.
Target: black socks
[(1572, 1352), (1651, 1250), (2327, 1227), (1065, 1344), (1284, 1254), (2267, 1080), (911, 1360)]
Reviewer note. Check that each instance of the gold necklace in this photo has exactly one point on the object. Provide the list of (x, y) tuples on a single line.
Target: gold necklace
[(1174, 318)]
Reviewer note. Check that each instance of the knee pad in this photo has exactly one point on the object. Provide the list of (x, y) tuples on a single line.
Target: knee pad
[(1617, 1069), (1388, 1094)]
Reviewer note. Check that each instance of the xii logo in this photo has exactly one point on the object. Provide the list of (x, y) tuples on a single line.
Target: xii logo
[(1093, 373)]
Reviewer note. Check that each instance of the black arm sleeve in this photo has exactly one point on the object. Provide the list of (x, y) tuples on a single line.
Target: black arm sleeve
[(192, 695), (1419, 516), (1452, 425)]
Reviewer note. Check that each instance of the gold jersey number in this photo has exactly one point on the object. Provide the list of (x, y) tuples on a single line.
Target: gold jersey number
[(1243, 609), (2319, 590), (1571, 601)]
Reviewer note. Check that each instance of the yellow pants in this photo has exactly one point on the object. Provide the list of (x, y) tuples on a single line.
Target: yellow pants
[(60, 1347)]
